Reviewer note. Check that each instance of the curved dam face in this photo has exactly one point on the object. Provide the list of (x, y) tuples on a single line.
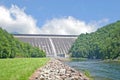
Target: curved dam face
[(53, 45)]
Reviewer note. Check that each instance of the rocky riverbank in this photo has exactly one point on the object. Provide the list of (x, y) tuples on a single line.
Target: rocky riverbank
[(56, 70)]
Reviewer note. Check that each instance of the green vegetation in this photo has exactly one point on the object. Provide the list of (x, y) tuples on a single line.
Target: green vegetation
[(11, 47), (78, 59), (20, 68), (87, 73), (102, 44)]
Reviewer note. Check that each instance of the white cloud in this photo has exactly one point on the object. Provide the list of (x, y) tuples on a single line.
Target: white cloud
[(67, 25), (100, 23), (16, 20)]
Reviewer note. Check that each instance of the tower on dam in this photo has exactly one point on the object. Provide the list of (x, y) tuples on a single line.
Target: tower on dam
[(53, 45)]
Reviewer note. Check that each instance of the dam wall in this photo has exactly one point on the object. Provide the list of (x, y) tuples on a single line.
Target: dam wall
[(53, 45)]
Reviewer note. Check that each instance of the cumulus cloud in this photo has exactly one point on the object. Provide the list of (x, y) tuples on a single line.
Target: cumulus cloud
[(67, 25), (15, 19), (100, 23)]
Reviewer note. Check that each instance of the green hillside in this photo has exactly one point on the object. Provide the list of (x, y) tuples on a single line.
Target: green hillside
[(11, 47), (102, 44)]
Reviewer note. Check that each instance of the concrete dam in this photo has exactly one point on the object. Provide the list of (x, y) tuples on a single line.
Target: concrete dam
[(53, 45)]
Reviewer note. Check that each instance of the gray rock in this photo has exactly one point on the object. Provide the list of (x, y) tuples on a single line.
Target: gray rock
[(62, 71), (56, 70)]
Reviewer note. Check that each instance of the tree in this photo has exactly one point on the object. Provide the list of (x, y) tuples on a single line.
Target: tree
[(11, 47), (102, 44)]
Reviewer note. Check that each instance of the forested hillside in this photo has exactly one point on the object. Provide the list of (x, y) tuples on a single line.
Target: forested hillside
[(102, 44), (11, 47)]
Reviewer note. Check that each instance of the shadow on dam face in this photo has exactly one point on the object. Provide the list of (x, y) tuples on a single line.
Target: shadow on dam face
[(53, 45)]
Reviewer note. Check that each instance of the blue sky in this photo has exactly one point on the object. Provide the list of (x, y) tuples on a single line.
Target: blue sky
[(89, 11)]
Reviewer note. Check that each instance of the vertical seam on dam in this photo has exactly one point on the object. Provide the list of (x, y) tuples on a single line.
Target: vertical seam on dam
[(53, 47)]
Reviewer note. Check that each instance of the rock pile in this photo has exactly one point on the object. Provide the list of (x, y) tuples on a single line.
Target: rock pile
[(56, 70)]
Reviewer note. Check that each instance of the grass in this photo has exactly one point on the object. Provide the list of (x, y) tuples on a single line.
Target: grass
[(20, 68), (78, 59), (87, 73)]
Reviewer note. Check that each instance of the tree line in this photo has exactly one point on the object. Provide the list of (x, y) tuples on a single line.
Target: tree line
[(11, 47), (102, 44)]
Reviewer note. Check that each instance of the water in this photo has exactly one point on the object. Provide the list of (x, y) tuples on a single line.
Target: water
[(99, 70)]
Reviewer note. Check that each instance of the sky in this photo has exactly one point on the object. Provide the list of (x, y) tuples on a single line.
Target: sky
[(57, 16)]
